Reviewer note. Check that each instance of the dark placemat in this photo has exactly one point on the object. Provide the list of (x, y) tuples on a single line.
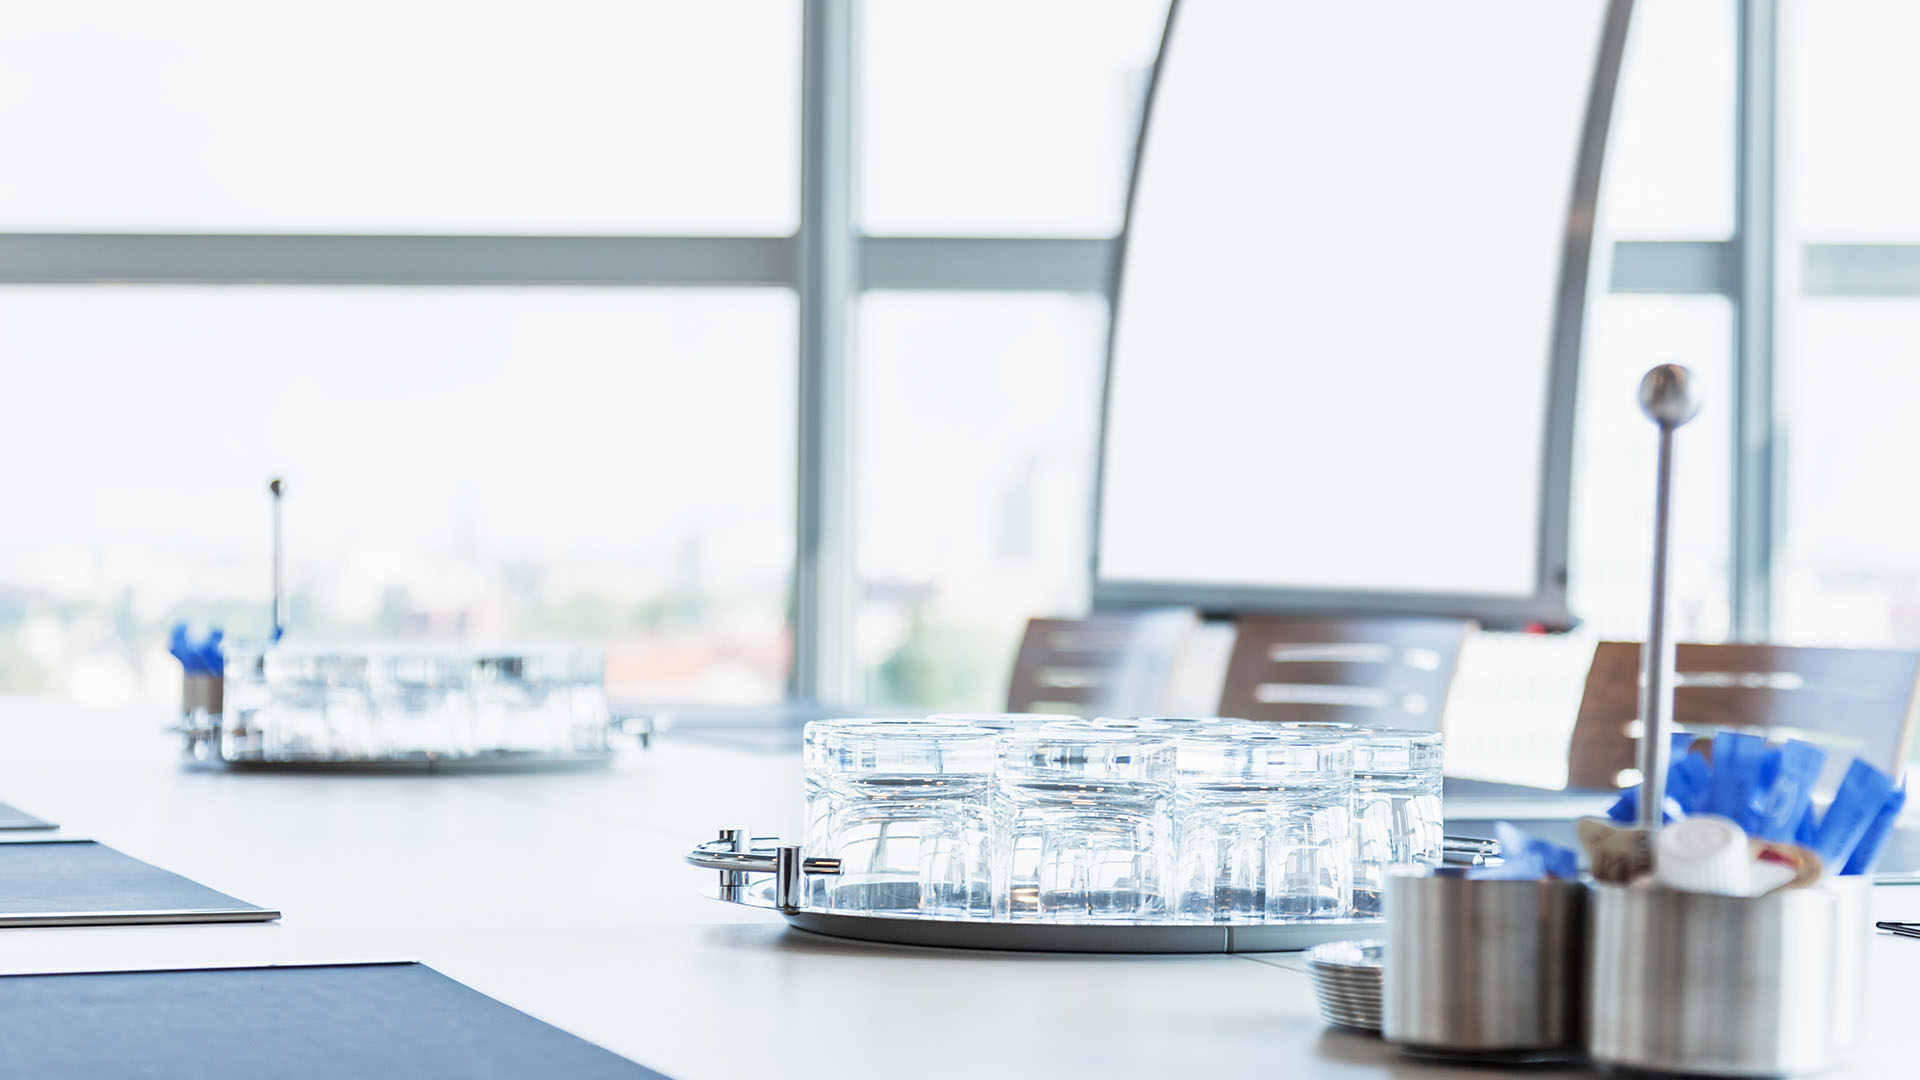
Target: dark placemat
[(11, 818), (81, 882), (350, 1022)]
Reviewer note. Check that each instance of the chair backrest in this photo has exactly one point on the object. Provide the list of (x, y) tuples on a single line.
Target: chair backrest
[(1390, 671), (1853, 702), (1117, 664)]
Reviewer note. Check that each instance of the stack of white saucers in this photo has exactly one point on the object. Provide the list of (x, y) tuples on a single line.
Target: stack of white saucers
[(1346, 979)]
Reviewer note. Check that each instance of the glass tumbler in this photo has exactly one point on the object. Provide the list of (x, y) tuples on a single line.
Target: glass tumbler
[(1265, 826), (319, 706), (420, 702), (819, 744), (908, 814), (1397, 814), (1084, 828)]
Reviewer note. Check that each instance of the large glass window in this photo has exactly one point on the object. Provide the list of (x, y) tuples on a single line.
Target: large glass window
[(977, 426), (1848, 171), (617, 462), (1002, 117), (499, 464), (1669, 169), (1847, 570), (565, 116), (1612, 528)]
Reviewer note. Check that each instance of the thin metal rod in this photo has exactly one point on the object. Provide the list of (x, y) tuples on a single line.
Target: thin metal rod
[(1657, 658), (1667, 398), (279, 579)]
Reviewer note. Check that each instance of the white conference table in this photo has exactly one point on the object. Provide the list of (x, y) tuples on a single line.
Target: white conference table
[(564, 895)]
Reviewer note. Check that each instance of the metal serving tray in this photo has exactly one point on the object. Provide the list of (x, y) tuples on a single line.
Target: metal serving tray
[(402, 707), (738, 857)]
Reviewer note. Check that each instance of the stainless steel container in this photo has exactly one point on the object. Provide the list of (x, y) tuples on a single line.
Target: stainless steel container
[(1484, 967), (1727, 986)]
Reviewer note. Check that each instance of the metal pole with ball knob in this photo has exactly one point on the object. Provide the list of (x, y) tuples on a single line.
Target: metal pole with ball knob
[(279, 584), (1667, 397)]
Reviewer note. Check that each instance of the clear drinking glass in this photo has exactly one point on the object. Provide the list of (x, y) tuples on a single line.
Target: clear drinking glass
[(1265, 826), (421, 704), (319, 706), (1397, 813), (245, 699), (908, 814), (819, 744), (1084, 824), (523, 701)]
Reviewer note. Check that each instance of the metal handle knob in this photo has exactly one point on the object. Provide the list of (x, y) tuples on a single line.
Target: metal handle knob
[(736, 854)]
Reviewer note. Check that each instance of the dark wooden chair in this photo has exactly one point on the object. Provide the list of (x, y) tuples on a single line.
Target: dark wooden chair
[(1118, 664), (1853, 702), (1393, 672)]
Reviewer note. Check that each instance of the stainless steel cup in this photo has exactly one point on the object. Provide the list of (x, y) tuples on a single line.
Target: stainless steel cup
[(1725, 985), (1483, 967)]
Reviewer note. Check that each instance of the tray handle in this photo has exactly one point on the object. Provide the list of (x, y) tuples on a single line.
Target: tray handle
[(736, 853)]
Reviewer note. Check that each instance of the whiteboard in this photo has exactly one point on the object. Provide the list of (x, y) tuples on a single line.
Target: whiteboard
[(1342, 322)]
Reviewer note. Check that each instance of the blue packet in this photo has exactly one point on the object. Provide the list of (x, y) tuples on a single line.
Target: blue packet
[(1804, 829), (1528, 856), (1864, 791), (1738, 757), (1776, 807), (1874, 841), (1690, 783), (197, 657)]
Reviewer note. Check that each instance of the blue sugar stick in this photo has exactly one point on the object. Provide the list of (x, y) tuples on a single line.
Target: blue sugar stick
[(1689, 785), (1690, 782), (1737, 756), (1863, 792), (1776, 807), (1874, 841), (1804, 829)]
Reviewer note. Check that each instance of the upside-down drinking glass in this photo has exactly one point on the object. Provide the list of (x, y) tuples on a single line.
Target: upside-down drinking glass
[(1084, 824), (1397, 813), (908, 814), (1264, 826)]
